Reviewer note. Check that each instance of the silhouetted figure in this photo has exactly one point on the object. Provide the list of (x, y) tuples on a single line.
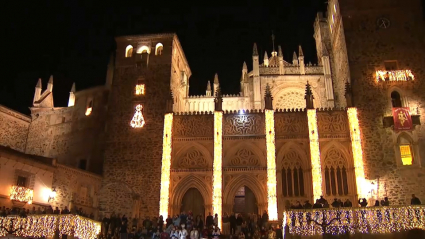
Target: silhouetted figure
[(348, 203), (385, 202), (377, 203), (363, 202), (415, 200), (307, 205), (317, 204), (335, 203)]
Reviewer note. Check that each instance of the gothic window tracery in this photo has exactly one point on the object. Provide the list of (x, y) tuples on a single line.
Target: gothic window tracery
[(244, 157), (292, 175), (193, 159), (335, 173)]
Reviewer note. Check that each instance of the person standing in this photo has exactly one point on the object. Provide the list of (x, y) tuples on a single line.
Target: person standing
[(209, 220), (265, 219), (232, 221), (226, 224)]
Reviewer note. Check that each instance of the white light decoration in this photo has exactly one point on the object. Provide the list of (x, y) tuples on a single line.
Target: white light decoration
[(140, 89), (271, 165), (356, 145), (371, 220), (316, 168), (38, 226), (138, 121), (399, 75), (21, 194), (88, 111), (166, 164), (217, 167)]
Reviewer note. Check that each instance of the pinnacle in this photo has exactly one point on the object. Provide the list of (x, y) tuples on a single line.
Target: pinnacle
[(216, 78), (73, 88), (38, 83), (266, 57), (255, 51), (300, 51), (279, 51), (244, 66), (324, 50), (208, 86), (294, 56), (51, 79)]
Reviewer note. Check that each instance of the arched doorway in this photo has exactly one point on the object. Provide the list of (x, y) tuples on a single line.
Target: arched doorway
[(193, 201), (245, 201)]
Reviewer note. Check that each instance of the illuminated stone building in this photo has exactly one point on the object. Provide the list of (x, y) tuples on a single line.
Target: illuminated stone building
[(295, 131)]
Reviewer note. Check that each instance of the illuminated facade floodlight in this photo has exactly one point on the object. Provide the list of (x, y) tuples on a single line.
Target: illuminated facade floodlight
[(217, 166), (166, 165), (316, 168), (271, 166)]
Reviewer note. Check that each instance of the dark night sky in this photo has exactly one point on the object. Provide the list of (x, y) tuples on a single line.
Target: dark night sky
[(73, 40)]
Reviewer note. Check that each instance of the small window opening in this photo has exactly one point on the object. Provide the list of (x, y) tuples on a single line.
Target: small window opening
[(395, 99), (22, 181), (406, 154), (89, 108), (82, 164), (129, 51)]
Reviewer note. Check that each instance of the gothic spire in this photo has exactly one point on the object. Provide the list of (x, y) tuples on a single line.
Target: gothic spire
[(244, 67), (73, 88), (294, 57), (208, 86), (254, 50), (38, 83), (300, 51), (266, 57), (308, 97), (50, 84), (268, 99), (216, 78), (280, 54)]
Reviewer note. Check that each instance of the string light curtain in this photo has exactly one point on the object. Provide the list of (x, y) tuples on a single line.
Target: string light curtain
[(217, 167), (166, 164), (316, 168), (271, 165)]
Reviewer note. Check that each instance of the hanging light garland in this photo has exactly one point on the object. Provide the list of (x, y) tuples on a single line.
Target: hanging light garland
[(373, 220)]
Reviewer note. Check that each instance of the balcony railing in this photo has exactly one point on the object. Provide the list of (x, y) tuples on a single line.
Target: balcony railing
[(400, 75), (21, 194), (374, 220), (37, 226)]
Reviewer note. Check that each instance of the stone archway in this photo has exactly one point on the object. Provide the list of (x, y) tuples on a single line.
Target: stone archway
[(256, 183), (181, 187), (193, 201)]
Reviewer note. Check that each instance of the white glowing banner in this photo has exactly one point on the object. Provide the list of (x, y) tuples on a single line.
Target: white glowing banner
[(166, 164), (217, 167), (271, 165), (356, 145), (316, 168)]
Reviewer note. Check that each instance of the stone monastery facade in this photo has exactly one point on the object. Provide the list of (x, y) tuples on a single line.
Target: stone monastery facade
[(294, 132)]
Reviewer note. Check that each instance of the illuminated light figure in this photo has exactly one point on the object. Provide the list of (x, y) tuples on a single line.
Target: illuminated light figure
[(21, 194), (400, 75), (217, 167), (316, 168), (138, 121), (166, 164), (356, 145), (140, 89), (271, 166), (88, 111)]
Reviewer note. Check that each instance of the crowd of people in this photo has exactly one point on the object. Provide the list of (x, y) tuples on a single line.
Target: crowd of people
[(22, 212), (188, 226)]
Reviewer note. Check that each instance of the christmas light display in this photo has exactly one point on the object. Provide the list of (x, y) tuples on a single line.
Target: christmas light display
[(138, 121), (400, 75), (217, 167), (21, 194), (37, 226), (166, 164), (374, 220), (316, 168), (271, 165), (356, 145)]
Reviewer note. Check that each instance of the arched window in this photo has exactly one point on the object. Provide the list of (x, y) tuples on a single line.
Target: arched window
[(129, 51), (335, 173), (395, 99), (158, 49), (292, 175)]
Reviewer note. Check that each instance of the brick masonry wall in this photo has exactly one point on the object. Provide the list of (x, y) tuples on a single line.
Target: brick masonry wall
[(368, 47), (132, 162), (13, 129)]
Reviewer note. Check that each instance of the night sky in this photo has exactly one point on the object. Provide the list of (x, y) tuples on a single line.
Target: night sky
[(72, 40)]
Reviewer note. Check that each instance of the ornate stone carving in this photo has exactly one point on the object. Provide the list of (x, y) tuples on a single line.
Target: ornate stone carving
[(193, 126), (269, 70), (290, 99), (291, 159), (332, 124), (335, 158), (244, 157), (193, 159), (252, 124), (291, 125)]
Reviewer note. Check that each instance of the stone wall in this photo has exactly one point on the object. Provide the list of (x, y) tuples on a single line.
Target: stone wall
[(13, 129), (368, 47), (76, 189), (132, 162)]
